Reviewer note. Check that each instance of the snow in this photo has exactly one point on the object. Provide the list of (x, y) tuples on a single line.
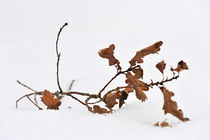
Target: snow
[(28, 32)]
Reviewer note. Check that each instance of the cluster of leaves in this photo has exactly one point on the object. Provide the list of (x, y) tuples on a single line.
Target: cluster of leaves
[(133, 83), (134, 80)]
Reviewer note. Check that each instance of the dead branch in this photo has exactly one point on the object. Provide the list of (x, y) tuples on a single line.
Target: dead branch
[(27, 95), (29, 89), (134, 81), (58, 56), (158, 83)]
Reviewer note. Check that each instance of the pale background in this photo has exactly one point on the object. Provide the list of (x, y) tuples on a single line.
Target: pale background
[(28, 32)]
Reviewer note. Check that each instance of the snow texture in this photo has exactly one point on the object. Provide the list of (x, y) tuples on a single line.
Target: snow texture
[(28, 32)]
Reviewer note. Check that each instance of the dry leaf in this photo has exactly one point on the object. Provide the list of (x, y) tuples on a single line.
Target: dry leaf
[(140, 94), (99, 110), (164, 124), (49, 101), (146, 51), (128, 90), (161, 66), (110, 99), (170, 106), (133, 81), (138, 85), (138, 72), (180, 66), (122, 98), (108, 53), (157, 124)]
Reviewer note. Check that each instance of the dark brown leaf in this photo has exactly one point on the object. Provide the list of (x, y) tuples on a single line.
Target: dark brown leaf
[(122, 98), (138, 72), (140, 94), (135, 82), (110, 99), (180, 66), (164, 124), (49, 100), (138, 85), (170, 106), (161, 66), (146, 51), (99, 110)]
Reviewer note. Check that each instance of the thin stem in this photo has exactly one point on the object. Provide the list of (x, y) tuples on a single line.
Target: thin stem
[(99, 94), (57, 74), (58, 56), (71, 85), (162, 82), (26, 86), (37, 93), (118, 73), (29, 89), (34, 103)]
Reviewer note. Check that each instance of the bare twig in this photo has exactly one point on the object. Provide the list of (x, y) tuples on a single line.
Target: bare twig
[(162, 82), (27, 95), (26, 86), (58, 56), (70, 86), (76, 99), (34, 103), (29, 89), (118, 73)]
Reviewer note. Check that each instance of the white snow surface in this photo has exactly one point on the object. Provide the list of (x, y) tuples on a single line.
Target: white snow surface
[(28, 30)]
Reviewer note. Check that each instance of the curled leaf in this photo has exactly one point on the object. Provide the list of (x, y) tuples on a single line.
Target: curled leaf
[(180, 66), (146, 51), (170, 106), (161, 66), (99, 110), (108, 53), (110, 99), (49, 100), (138, 72)]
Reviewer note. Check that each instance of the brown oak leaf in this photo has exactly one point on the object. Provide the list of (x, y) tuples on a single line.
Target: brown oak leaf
[(138, 85), (170, 106), (49, 100), (108, 53), (180, 66), (110, 99), (122, 98), (138, 72), (140, 94), (146, 51), (135, 82), (161, 66), (99, 110)]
